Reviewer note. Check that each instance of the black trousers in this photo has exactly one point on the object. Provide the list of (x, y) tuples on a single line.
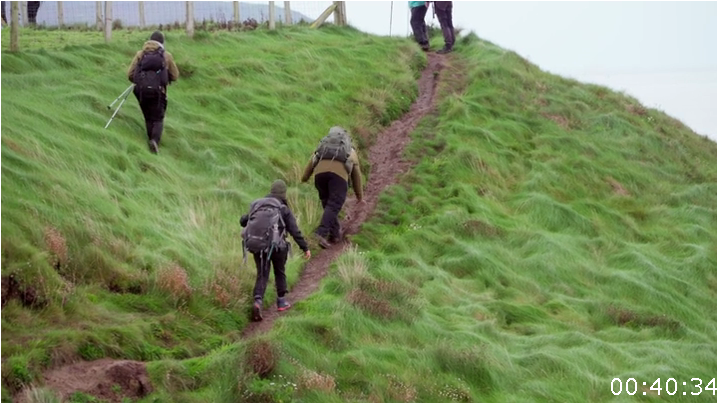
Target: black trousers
[(278, 261), (418, 26), (443, 14), (32, 8), (333, 193), (153, 110)]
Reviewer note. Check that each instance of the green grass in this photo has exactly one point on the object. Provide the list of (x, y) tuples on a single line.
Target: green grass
[(551, 237)]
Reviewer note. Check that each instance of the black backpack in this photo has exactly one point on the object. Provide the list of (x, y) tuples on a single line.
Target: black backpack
[(265, 227), (151, 76)]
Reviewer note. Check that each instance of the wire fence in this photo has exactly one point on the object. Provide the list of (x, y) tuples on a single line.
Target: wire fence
[(106, 16)]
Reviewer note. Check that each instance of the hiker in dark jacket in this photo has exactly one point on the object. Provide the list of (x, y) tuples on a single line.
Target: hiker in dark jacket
[(418, 25), (153, 107), (443, 10), (331, 178), (278, 257)]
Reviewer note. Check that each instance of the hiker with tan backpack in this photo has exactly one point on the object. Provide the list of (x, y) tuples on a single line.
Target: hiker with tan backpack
[(334, 163)]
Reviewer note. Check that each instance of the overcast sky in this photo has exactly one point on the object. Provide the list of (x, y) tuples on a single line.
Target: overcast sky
[(662, 53)]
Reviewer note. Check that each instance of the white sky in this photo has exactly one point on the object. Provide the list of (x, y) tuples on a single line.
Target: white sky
[(663, 53)]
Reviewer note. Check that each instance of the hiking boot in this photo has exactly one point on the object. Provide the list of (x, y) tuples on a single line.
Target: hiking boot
[(425, 48), (153, 147), (257, 310), (324, 243), (444, 50), (282, 304)]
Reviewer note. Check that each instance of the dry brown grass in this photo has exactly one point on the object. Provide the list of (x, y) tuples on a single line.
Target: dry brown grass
[(173, 280), (225, 289), (57, 247), (312, 381), (262, 357)]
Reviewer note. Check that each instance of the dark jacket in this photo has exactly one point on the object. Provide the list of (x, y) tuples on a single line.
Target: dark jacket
[(289, 221)]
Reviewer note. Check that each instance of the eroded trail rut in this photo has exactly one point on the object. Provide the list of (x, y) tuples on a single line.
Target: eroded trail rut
[(102, 377), (385, 156)]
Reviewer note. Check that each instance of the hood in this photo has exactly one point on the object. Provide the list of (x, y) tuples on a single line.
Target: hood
[(152, 46)]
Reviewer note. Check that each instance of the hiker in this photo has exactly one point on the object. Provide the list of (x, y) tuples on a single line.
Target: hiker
[(418, 25), (333, 163), (32, 8), (264, 235), (4, 18), (443, 11), (152, 70)]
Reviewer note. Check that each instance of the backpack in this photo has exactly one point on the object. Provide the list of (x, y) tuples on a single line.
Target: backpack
[(265, 227), (151, 74), (337, 145)]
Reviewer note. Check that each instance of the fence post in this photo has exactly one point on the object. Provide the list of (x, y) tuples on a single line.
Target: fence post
[(60, 15), (15, 27), (323, 16), (235, 4), (189, 25), (23, 11), (142, 14), (339, 19), (98, 15), (108, 21), (287, 13), (272, 15)]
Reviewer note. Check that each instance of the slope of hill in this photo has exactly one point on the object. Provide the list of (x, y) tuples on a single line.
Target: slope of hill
[(551, 236)]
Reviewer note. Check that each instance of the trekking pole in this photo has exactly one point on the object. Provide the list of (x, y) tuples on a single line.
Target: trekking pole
[(391, 17), (120, 96), (126, 93)]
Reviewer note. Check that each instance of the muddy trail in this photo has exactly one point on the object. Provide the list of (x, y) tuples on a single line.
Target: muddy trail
[(385, 157), (112, 380)]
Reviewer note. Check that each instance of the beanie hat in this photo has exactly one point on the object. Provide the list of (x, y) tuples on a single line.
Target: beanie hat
[(279, 189), (158, 36)]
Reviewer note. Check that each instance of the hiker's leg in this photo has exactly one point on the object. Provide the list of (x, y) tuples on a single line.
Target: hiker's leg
[(147, 114), (321, 182), (418, 26), (279, 262), (260, 285), (158, 117), (443, 14), (338, 188), (322, 186), (32, 8), (4, 18), (450, 23)]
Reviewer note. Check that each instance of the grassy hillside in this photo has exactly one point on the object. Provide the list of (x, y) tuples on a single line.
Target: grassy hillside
[(551, 237), (124, 254)]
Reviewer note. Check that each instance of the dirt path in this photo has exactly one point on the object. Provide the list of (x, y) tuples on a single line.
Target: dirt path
[(386, 166), (113, 380)]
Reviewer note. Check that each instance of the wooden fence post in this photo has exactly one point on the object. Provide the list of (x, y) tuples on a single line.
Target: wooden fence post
[(272, 15), (15, 27), (23, 11), (287, 13), (235, 4), (320, 20), (189, 25), (339, 18), (98, 15), (142, 14), (60, 15), (108, 21)]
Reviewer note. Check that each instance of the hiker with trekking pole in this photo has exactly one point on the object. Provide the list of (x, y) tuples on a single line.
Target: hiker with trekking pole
[(152, 70), (334, 163), (264, 235)]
